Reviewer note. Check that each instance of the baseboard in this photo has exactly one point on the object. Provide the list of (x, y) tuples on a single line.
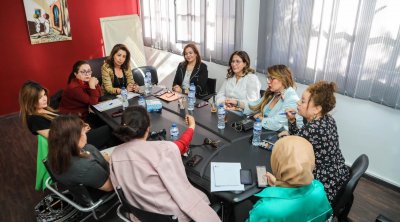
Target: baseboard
[(381, 182)]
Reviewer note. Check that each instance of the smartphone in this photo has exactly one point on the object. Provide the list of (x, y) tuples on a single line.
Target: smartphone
[(245, 177), (201, 104), (262, 179)]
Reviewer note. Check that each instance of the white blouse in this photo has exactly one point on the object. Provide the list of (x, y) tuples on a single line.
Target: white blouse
[(245, 90)]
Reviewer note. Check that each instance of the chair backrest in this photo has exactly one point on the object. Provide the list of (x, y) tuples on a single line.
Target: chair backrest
[(95, 65), (142, 215), (139, 72), (343, 201), (55, 99), (211, 85), (79, 192)]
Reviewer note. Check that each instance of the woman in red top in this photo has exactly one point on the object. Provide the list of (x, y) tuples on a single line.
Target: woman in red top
[(82, 91)]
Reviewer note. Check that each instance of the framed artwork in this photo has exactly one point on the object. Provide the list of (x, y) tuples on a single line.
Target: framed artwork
[(48, 21)]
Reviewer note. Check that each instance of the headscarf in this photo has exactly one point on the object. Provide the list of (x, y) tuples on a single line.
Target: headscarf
[(293, 162)]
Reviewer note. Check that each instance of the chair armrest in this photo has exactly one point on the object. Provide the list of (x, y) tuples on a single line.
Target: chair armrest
[(207, 97), (68, 200), (121, 215)]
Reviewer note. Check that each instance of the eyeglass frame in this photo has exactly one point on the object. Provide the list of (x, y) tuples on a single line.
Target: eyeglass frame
[(86, 72), (155, 134)]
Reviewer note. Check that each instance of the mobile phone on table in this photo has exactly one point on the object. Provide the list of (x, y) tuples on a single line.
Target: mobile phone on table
[(262, 179), (245, 177), (117, 113), (201, 104)]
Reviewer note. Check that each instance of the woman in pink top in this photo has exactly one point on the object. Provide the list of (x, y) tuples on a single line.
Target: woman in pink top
[(151, 173)]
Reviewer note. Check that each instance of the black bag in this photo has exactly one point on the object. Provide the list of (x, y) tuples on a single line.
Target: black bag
[(52, 209), (243, 125)]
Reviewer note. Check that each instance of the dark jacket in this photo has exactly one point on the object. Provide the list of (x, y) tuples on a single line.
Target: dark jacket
[(199, 77)]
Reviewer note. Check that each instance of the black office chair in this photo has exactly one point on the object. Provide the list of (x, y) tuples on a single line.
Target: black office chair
[(344, 200), (211, 89), (82, 199), (55, 99), (139, 72), (95, 65), (144, 216), (262, 92)]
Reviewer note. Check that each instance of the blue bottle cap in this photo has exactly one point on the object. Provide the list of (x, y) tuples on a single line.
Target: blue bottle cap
[(173, 124)]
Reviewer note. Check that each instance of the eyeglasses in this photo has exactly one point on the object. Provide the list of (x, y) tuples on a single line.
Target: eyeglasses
[(270, 78), (86, 72), (208, 141), (237, 126), (160, 135), (188, 53)]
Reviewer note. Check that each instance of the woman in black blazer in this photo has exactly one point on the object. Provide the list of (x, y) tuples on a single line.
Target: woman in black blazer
[(192, 70)]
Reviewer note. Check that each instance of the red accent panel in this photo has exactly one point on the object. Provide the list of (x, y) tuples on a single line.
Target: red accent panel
[(51, 63)]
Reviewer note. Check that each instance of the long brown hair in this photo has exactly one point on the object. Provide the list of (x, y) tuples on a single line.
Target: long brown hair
[(29, 99), (246, 59), (65, 133), (281, 73), (115, 49), (195, 50)]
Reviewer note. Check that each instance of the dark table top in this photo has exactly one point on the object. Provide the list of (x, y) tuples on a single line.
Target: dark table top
[(233, 146)]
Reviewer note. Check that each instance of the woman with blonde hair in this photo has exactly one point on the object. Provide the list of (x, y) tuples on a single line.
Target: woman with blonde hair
[(241, 84), (279, 96), (294, 194)]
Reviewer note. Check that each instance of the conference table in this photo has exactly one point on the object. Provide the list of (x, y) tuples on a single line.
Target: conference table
[(233, 146)]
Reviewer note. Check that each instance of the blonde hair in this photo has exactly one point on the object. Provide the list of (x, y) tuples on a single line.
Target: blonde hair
[(281, 73), (29, 98)]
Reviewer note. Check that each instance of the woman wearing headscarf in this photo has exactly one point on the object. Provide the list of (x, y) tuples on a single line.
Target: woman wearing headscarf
[(294, 195)]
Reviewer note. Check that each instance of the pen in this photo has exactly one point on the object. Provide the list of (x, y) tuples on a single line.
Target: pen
[(110, 104)]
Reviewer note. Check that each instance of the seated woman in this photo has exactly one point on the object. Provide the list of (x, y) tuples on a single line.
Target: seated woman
[(73, 161), (240, 84), (34, 108), (116, 71), (321, 130), (279, 96), (166, 189), (192, 70), (82, 91), (294, 195)]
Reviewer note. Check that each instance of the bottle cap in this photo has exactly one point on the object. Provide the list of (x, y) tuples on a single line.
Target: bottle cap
[(173, 124), (258, 120)]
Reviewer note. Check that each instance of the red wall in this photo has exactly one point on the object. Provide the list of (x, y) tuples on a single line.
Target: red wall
[(50, 63)]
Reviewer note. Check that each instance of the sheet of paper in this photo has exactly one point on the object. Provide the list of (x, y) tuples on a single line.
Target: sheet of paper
[(109, 104), (225, 177), (130, 95)]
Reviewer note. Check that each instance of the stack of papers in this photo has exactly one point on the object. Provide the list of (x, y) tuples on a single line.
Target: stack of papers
[(225, 177), (130, 95), (109, 104)]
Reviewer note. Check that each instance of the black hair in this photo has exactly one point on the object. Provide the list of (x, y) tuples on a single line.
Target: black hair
[(75, 69), (134, 123)]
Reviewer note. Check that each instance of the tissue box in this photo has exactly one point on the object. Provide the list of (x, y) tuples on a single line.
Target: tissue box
[(153, 105)]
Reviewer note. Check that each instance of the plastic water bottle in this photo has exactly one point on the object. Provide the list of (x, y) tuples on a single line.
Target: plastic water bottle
[(147, 83), (191, 96), (142, 102), (124, 95), (221, 116), (257, 132), (174, 131)]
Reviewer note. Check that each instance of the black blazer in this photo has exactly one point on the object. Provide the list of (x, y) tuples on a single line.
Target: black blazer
[(199, 77)]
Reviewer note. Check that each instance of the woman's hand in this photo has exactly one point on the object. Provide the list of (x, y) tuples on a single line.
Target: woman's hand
[(93, 81), (291, 114), (259, 116), (190, 121), (132, 87), (229, 103), (271, 179), (177, 88)]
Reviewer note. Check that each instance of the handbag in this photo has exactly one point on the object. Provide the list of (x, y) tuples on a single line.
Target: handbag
[(52, 208)]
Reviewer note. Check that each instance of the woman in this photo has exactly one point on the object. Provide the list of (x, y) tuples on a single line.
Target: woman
[(315, 104), (34, 108), (192, 70), (82, 91), (279, 96), (116, 71), (73, 161), (294, 195), (166, 189), (240, 84)]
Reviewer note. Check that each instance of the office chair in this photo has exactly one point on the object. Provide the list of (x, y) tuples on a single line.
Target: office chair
[(95, 66), (55, 99), (344, 200), (211, 87), (144, 216), (138, 74), (82, 200)]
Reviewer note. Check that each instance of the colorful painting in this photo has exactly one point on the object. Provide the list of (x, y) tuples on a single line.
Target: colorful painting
[(48, 20)]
